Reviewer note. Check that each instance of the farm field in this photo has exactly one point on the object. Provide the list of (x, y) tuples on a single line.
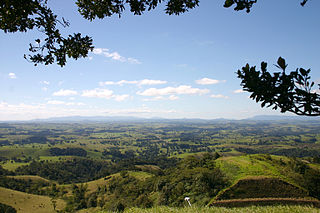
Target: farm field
[(113, 166)]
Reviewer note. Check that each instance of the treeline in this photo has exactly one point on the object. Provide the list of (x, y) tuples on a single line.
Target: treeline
[(7, 209), (69, 171), (310, 176), (80, 170), (28, 186), (68, 151), (292, 152)]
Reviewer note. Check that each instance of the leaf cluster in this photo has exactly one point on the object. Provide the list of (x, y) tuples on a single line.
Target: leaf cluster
[(25, 15), (91, 9), (246, 4), (290, 92)]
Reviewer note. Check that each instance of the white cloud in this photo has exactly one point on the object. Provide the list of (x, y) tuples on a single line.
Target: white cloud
[(63, 92), (37, 111), (151, 82), (207, 81), (45, 82), (180, 90), (114, 55), (122, 82), (173, 97), (12, 75), (142, 111), (56, 102), (133, 61), (98, 93), (218, 96), (120, 97), (160, 98), (139, 83), (238, 91), (103, 93)]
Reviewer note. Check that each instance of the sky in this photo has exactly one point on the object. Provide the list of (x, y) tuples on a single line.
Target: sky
[(156, 65)]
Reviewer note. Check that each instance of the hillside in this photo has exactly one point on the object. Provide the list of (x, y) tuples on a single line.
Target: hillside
[(28, 203), (262, 187), (239, 167)]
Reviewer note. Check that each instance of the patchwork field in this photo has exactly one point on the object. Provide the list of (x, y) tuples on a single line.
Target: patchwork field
[(97, 166)]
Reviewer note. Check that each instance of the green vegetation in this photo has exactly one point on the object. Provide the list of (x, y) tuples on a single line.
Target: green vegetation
[(118, 166), (262, 187), (24, 202), (7, 209)]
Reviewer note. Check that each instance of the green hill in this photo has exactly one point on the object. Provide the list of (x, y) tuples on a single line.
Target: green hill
[(262, 187), (28, 203)]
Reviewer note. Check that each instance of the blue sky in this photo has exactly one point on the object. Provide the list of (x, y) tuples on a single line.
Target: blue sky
[(157, 65)]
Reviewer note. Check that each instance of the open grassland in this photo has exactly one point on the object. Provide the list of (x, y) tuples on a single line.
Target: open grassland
[(93, 186), (34, 178), (11, 166), (252, 209), (240, 167), (28, 203)]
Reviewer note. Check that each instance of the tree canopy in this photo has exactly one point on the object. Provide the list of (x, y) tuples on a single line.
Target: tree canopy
[(25, 15), (290, 92)]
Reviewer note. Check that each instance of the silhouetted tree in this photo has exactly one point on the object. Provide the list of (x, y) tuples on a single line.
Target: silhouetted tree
[(290, 92)]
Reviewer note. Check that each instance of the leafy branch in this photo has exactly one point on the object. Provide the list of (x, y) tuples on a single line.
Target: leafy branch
[(24, 15), (290, 92)]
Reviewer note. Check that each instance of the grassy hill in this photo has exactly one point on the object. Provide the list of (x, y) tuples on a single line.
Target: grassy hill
[(28, 203), (262, 187), (240, 167), (34, 178)]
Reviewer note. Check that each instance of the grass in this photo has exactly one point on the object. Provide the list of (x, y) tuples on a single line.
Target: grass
[(239, 167), (11, 166), (28, 203), (30, 177), (252, 209), (93, 185), (140, 175)]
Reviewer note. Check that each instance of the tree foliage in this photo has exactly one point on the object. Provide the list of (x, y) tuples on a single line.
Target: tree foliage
[(291, 92), (25, 15)]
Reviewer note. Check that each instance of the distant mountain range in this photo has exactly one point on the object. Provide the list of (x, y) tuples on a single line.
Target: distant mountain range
[(157, 119), (283, 117)]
